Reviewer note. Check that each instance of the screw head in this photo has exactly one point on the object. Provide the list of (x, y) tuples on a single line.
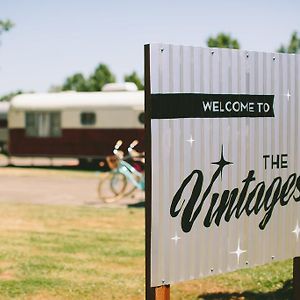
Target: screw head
[(212, 52), (274, 58), (162, 50)]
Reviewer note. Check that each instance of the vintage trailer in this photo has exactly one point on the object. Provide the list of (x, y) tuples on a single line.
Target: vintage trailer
[(85, 125), (4, 106)]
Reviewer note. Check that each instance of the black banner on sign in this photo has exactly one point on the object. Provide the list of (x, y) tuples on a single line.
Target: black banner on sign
[(174, 106)]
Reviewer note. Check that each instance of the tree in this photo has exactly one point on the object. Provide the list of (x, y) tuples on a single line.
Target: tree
[(223, 40), (76, 82), (9, 96), (94, 82), (55, 89), (6, 25), (100, 77), (133, 77), (294, 45)]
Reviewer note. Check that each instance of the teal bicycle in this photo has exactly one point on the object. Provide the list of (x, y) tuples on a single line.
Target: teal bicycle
[(123, 178)]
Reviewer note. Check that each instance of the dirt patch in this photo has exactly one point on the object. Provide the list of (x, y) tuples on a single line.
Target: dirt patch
[(54, 187), (6, 272)]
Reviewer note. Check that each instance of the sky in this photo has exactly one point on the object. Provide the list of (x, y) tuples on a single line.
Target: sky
[(53, 39)]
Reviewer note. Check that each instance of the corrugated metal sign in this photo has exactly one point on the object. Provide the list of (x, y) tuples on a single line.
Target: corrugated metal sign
[(225, 171)]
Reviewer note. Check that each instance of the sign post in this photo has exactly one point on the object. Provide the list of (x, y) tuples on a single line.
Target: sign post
[(296, 278), (223, 170), (160, 292)]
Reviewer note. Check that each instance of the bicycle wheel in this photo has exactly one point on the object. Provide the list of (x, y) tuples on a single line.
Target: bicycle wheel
[(111, 187), (118, 183), (130, 186)]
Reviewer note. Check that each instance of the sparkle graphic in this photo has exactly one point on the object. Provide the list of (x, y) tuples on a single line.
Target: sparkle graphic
[(176, 238), (238, 252), (288, 95), (297, 230), (191, 141), (222, 162)]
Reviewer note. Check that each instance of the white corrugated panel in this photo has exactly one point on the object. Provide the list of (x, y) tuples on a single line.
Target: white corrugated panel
[(181, 145)]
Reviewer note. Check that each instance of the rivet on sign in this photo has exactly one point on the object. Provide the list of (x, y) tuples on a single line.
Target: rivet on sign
[(212, 52), (247, 263), (163, 281), (212, 269), (247, 55), (273, 256), (162, 49), (274, 57)]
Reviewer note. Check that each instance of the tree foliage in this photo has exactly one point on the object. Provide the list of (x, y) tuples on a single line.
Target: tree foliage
[(55, 89), (293, 46), (76, 82), (6, 25), (223, 40), (94, 82), (100, 77), (133, 77), (9, 96)]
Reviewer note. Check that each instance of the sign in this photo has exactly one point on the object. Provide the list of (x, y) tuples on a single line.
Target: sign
[(225, 173)]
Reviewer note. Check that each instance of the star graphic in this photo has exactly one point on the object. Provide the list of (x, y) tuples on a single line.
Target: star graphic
[(288, 95), (297, 230), (238, 252), (176, 238), (191, 141), (222, 162)]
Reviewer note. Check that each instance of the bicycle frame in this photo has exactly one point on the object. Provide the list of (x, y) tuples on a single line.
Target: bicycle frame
[(135, 177), (130, 172)]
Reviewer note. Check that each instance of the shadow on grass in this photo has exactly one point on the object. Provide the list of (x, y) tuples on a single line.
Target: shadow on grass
[(140, 204), (284, 293)]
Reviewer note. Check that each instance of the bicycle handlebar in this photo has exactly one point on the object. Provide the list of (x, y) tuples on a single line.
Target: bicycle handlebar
[(132, 154)]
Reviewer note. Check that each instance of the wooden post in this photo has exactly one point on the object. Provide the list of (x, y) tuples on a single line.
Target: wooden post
[(296, 278), (162, 292)]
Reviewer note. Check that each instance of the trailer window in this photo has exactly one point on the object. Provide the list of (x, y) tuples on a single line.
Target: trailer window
[(43, 124), (142, 118), (88, 118)]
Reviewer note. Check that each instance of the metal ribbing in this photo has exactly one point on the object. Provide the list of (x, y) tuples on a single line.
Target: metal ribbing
[(204, 251)]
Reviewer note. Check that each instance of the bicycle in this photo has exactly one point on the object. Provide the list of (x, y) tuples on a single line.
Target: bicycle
[(123, 178)]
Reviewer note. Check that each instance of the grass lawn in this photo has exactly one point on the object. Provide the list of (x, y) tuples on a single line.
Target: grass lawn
[(63, 252)]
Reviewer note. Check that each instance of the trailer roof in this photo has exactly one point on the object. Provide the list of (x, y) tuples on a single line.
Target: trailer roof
[(77, 100)]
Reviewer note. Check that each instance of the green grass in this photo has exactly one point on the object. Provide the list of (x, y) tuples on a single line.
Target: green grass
[(60, 252)]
